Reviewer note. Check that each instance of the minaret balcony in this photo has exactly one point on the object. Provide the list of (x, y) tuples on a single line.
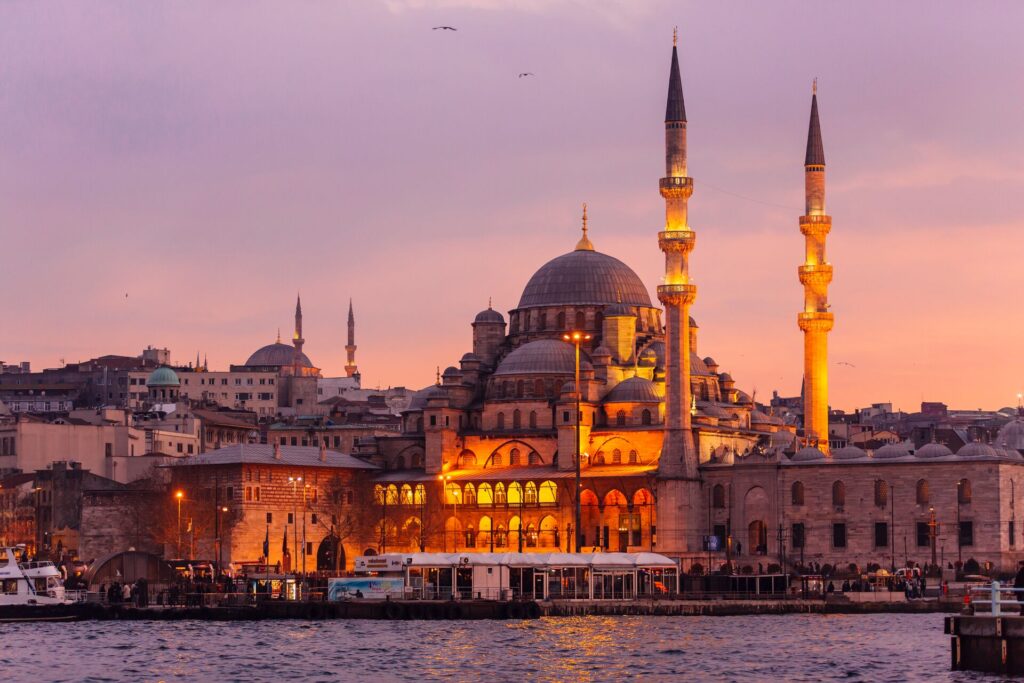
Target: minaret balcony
[(815, 321), (677, 295), (815, 226), (816, 276), (680, 241), (676, 188)]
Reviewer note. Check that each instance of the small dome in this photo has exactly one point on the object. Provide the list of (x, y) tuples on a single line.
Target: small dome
[(743, 397), (418, 401), (849, 452), (489, 316), (933, 450), (435, 392), (584, 278), (1011, 434), (976, 449), (724, 377), (470, 358), (759, 418), (781, 439), (277, 355), (163, 377), (633, 390), (807, 454), (709, 361), (619, 311), (602, 351), (892, 451), (712, 410), (450, 371), (542, 357)]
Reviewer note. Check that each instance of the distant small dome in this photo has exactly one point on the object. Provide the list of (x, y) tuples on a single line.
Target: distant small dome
[(709, 361), (163, 377), (933, 450), (743, 397), (849, 452), (713, 410), (976, 449), (277, 355), (451, 370), (489, 316), (724, 377), (418, 401), (435, 392), (892, 451), (807, 454), (618, 310), (1011, 434), (759, 418), (542, 357), (633, 390), (470, 358), (602, 351)]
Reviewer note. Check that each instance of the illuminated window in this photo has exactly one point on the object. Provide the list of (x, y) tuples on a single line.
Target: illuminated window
[(419, 495), (531, 493), (548, 493), (499, 494), (963, 491), (484, 496), (515, 494)]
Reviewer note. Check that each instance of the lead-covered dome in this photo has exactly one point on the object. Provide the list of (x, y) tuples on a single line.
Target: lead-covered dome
[(489, 316), (277, 355), (541, 357), (163, 377), (1011, 434), (584, 277), (633, 390)]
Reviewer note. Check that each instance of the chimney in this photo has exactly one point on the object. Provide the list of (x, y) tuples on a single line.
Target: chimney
[(277, 451), (323, 450)]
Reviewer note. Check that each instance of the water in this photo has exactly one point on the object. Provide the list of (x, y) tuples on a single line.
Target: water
[(875, 648)]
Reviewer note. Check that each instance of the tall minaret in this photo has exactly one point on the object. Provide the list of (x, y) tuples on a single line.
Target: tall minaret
[(350, 349), (678, 488), (815, 275), (298, 341)]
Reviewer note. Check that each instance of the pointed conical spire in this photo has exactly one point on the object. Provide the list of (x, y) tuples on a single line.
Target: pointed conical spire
[(584, 244), (815, 149), (676, 110)]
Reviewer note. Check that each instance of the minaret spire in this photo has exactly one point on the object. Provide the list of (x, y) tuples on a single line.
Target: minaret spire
[(298, 341), (350, 349), (815, 275), (584, 244), (678, 488)]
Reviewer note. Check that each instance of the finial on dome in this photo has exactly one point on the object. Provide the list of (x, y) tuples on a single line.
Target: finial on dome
[(584, 244), (814, 86), (489, 304), (438, 380), (675, 36), (279, 335)]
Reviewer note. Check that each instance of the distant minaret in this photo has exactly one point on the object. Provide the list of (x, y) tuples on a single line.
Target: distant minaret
[(815, 275), (298, 341), (350, 349), (679, 498)]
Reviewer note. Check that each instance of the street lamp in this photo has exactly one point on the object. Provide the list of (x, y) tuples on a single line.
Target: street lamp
[(220, 546), (576, 338), (959, 529), (179, 495), (932, 531), (295, 481)]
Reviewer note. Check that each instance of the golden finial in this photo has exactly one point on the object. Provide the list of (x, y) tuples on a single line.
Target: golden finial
[(814, 86), (489, 304), (438, 375), (584, 244), (279, 335), (675, 36)]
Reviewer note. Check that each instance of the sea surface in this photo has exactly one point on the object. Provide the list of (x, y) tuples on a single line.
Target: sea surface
[(874, 648)]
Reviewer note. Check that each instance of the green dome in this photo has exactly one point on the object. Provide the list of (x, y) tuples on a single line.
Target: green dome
[(163, 377)]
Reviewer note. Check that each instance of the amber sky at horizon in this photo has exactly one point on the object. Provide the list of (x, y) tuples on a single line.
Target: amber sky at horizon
[(210, 160)]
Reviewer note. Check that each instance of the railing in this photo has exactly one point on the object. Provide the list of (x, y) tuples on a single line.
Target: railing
[(996, 599)]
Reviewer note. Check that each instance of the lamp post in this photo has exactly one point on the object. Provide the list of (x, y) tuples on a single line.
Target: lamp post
[(959, 530), (179, 495), (892, 528), (220, 561), (932, 531), (305, 488), (295, 481), (576, 338)]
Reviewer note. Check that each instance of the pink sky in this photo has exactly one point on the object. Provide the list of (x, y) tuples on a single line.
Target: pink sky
[(211, 159)]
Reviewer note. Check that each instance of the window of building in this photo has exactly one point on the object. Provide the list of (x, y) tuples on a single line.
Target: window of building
[(963, 491), (291, 520), (229, 493), (718, 496), (881, 493), (881, 534), (1013, 536), (516, 418), (501, 420), (616, 457), (620, 418), (513, 457), (645, 417), (270, 518), (797, 493), (922, 492), (838, 494), (248, 494), (966, 533), (839, 535), (798, 535), (634, 457), (256, 494), (923, 535), (433, 420)]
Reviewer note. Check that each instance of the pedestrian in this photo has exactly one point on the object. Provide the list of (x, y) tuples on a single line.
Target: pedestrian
[(831, 588), (1018, 580), (126, 592), (846, 586)]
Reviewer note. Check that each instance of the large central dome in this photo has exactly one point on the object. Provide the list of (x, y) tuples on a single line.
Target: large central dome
[(584, 277), (276, 355)]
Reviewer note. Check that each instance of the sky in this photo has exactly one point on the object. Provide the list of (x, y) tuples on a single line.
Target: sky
[(174, 173)]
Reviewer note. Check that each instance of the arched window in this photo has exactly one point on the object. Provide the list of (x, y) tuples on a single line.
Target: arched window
[(513, 457), (718, 496), (598, 458), (520, 388), (406, 495), (485, 530), (419, 424), (496, 460), (838, 494), (922, 492), (499, 494), (548, 493), (392, 495), (452, 493), (798, 493), (411, 530), (501, 537), (538, 388), (645, 417), (469, 495), (378, 494), (620, 418), (419, 496), (531, 493), (400, 463), (542, 321), (881, 493), (484, 495), (549, 532), (634, 457), (616, 457), (533, 419), (515, 494), (581, 320), (534, 458), (501, 420), (467, 459), (517, 419), (531, 535), (560, 320), (963, 491)]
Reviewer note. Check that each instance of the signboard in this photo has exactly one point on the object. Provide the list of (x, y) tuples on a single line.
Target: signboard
[(379, 563), (372, 587), (712, 543)]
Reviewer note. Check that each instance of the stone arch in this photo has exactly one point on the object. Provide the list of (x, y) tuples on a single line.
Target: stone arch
[(756, 509), (499, 449), (549, 536), (330, 554), (643, 496), (616, 498), (467, 458), (611, 443), (923, 497), (589, 498)]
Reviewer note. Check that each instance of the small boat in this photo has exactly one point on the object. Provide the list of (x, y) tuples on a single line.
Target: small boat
[(36, 583)]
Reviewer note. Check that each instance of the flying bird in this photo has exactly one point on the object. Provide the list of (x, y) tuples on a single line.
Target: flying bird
[(527, 73), (444, 28), (843, 362)]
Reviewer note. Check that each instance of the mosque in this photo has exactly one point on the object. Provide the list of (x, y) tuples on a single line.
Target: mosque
[(673, 455)]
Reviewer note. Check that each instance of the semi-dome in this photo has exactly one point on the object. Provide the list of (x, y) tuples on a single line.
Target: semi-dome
[(587, 278), (975, 449), (489, 316), (849, 452), (633, 390), (712, 410), (278, 354), (163, 377), (808, 454), (933, 450), (542, 357), (892, 451)]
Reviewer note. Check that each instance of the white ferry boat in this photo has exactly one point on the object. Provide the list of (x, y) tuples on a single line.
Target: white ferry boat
[(29, 583)]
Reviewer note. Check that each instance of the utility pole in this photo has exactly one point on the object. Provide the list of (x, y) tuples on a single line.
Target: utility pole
[(932, 532), (892, 528)]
